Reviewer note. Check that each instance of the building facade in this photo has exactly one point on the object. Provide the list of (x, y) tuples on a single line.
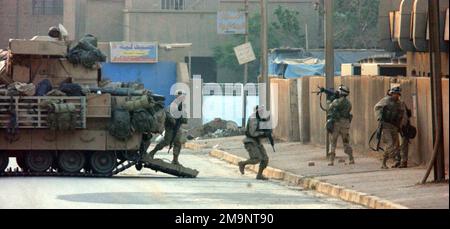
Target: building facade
[(23, 19), (175, 21)]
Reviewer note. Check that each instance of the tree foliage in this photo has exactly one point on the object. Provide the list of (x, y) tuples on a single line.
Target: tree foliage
[(356, 23), (285, 29)]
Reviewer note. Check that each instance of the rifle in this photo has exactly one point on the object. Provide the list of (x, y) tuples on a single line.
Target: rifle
[(331, 95), (269, 136), (378, 134)]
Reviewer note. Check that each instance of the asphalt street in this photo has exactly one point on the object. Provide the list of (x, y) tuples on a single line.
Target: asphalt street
[(219, 186)]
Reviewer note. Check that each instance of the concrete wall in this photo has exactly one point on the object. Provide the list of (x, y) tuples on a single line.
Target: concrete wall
[(287, 108), (102, 18), (105, 19), (317, 115), (445, 94), (18, 22), (418, 64), (174, 27), (366, 91), (303, 105)]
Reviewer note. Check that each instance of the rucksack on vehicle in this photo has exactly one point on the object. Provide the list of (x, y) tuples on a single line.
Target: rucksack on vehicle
[(62, 121), (62, 116), (142, 121), (159, 121), (144, 102), (120, 125)]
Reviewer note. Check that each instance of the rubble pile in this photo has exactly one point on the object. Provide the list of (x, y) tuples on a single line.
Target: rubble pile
[(217, 128)]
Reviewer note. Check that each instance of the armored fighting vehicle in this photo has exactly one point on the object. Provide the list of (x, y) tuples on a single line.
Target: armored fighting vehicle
[(58, 117)]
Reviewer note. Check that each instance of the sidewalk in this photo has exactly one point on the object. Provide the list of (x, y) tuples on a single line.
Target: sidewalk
[(363, 183)]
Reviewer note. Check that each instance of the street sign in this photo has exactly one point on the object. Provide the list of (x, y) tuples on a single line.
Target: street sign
[(231, 22), (134, 52), (244, 53)]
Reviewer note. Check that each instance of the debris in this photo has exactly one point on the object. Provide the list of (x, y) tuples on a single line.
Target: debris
[(217, 128), (311, 164)]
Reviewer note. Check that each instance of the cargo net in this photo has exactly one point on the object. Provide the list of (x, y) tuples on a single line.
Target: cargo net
[(34, 112)]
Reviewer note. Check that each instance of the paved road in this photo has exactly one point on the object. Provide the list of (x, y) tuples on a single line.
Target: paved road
[(219, 185)]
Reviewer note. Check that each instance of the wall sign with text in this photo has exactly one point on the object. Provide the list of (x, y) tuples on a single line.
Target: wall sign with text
[(134, 52)]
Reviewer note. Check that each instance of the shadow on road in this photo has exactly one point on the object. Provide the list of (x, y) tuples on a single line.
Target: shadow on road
[(187, 199)]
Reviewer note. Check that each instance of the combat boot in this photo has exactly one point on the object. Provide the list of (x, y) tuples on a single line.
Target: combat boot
[(397, 165), (352, 160), (332, 157), (384, 166), (241, 167), (175, 160), (403, 165), (260, 175)]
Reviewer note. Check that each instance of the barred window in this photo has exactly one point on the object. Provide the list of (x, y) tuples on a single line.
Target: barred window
[(172, 4), (48, 7)]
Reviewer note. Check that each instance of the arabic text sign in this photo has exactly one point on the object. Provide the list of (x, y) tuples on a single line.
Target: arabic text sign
[(134, 52), (231, 22), (245, 53)]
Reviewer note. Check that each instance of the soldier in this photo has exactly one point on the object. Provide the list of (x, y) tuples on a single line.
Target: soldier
[(253, 145), (402, 157), (173, 136), (389, 111), (339, 120)]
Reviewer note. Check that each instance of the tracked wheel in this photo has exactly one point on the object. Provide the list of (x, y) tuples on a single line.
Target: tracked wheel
[(39, 161), (4, 161), (71, 161), (21, 162), (103, 162), (130, 155)]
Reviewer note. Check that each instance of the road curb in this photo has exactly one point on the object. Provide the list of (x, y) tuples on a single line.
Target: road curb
[(194, 146), (322, 187)]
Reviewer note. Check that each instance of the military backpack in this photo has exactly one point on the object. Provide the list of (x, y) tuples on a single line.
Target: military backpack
[(120, 126)]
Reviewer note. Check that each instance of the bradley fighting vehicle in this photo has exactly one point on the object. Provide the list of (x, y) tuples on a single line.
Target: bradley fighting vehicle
[(58, 118)]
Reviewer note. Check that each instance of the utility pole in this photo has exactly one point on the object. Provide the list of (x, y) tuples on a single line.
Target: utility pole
[(329, 54), (329, 44), (306, 38), (264, 51), (244, 104), (436, 89)]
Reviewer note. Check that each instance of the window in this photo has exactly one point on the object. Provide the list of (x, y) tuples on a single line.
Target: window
[(172, 4), (48, 7)]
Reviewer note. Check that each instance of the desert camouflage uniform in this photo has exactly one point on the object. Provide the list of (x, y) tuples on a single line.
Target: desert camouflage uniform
[(392, 120), (178, 140), (255, 149), (339, 112)]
